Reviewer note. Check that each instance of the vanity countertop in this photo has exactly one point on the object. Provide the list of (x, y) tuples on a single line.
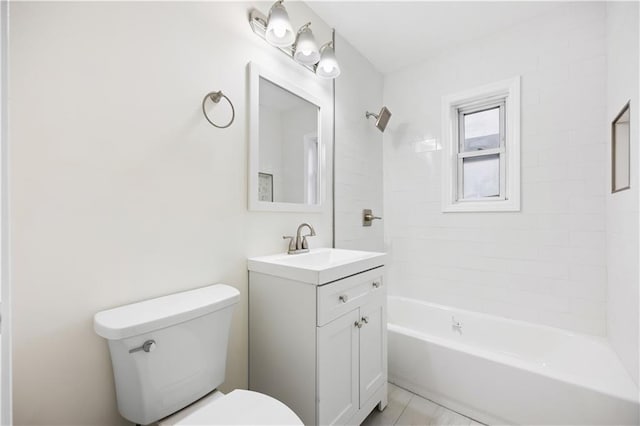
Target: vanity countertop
[(318, 266)]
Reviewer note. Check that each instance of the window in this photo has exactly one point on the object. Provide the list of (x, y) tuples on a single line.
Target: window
[(481, 149), (481, 152)]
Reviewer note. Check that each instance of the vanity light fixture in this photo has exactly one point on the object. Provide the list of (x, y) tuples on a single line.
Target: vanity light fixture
[(279, 30), (306, 51), (328, 66), (300, 47)]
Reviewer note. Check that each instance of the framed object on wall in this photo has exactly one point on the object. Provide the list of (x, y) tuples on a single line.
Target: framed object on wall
[(620, 147), (265, 187)]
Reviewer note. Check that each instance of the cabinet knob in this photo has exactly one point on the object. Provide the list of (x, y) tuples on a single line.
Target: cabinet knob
[(365, 320), (358, 324), (344, 298), (376, 284)]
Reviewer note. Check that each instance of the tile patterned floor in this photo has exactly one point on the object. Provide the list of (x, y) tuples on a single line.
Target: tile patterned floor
[(406, 408)]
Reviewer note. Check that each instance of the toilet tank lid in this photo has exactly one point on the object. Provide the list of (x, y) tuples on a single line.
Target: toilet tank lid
[(143, 317)]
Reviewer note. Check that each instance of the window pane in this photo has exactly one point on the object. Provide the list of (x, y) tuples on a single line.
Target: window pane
[(482, 130), (481, 176)]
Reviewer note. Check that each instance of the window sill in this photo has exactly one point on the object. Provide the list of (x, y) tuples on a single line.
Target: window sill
[(482, 206)]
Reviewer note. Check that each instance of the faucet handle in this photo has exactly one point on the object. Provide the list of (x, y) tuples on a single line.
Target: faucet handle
[(305, 243), (292, 244)]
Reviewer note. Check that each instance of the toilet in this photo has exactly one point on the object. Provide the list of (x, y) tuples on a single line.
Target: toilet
[(169, 355)]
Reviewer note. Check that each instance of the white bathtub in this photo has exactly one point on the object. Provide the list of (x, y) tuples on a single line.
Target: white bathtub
[(501, 371)]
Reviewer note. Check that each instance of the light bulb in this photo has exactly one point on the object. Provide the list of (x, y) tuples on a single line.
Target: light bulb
[(328, 66), (306, 52), (279, 31)]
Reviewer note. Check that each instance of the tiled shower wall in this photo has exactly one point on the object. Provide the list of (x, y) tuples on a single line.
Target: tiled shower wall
[(358, 150), (545, 264), (622, 207)]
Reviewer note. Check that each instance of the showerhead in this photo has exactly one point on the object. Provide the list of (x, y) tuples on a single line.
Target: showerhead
[(382, 118)]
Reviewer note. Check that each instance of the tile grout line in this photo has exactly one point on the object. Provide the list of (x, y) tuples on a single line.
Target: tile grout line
[(405, 406), (439, 405)]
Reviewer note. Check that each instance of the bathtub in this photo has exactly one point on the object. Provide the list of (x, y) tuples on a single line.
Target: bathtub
[(502, 371)]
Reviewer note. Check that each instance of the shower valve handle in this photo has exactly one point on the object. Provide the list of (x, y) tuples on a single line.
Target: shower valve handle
[(368, 217)]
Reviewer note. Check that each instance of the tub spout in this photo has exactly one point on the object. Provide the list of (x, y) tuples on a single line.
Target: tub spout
[(456, 325)]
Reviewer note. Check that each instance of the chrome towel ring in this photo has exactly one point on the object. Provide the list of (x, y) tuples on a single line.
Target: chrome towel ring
[(215, 98)]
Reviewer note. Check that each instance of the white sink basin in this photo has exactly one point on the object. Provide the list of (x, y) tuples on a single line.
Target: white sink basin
[(318, 266)]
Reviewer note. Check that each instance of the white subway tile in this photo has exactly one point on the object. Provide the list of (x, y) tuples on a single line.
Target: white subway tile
[(546, 263)]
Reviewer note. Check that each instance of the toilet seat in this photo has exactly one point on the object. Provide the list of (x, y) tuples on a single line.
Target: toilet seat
[(239, 407)]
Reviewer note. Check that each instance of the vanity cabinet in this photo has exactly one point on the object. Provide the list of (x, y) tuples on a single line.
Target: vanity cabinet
[(320, 348)]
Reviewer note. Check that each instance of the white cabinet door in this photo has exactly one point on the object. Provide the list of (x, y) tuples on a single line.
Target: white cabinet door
[(338, 370), (373, 360)]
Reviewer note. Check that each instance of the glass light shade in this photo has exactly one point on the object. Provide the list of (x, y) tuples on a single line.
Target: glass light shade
[(307, 52), (279, 30), (328, 66)]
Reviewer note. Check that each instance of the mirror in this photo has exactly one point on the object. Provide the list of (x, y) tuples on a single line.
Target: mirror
[(620, 151), (286, 151)]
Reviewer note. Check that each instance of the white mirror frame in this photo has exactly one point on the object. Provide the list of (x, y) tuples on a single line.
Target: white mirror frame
[(255, 73)]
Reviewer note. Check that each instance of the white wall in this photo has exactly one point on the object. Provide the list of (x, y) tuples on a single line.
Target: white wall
[(358, 161), (121, 191), (545, 264), (622, 208)]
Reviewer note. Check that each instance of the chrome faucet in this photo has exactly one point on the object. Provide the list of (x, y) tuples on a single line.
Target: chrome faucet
[(456, 325), (300, 244)]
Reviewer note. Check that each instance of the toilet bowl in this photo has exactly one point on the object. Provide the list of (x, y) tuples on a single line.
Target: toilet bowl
[(239, 407), (169, 356)]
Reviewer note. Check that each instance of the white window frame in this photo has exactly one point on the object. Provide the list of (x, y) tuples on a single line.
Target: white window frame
[(505, 94), (6, 320)]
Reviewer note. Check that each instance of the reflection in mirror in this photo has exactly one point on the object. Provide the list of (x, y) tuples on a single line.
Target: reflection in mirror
[(620, 147), (289, 151), (287, 170)]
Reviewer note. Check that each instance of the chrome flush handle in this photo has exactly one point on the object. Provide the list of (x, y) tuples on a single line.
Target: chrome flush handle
[(148, 346)]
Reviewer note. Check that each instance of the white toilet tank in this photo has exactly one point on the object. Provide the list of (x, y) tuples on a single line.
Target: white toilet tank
[(169, 351)]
